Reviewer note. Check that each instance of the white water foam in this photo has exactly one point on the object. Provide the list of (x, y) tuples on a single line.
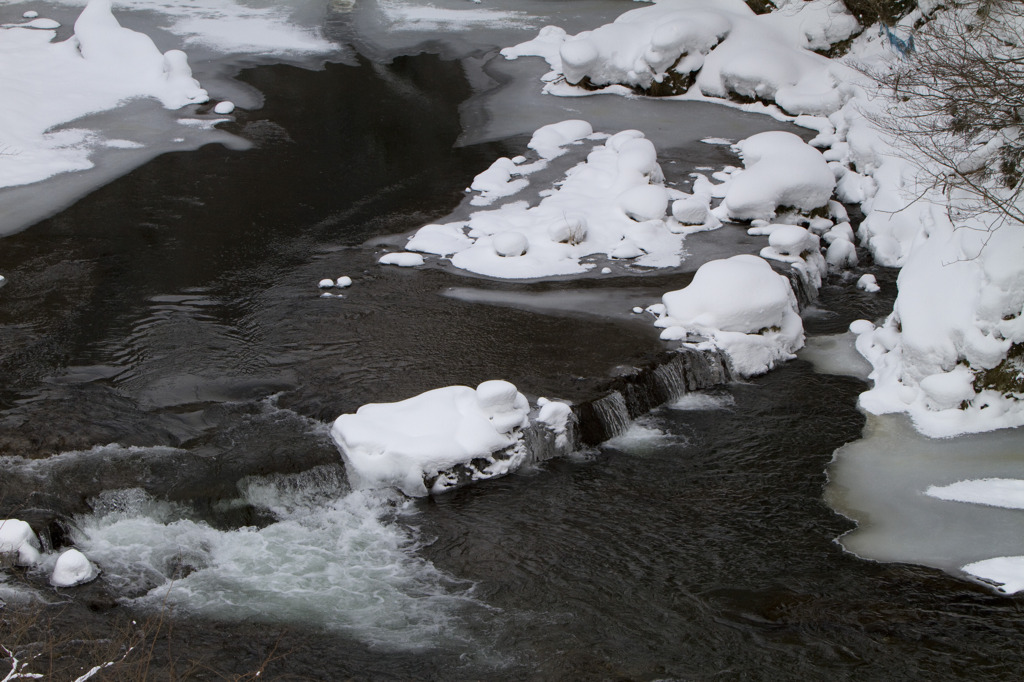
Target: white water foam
[(644, 438), (702, 400), (334, 559)]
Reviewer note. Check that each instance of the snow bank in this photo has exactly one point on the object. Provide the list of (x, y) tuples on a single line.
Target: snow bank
[(743, 307), (435, 440), (48, 83), (719, 47), (612, 205), (950, 353), (17, 537)]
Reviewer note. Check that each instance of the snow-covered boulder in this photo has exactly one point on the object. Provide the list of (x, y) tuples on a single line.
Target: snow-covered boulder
[(744, 307), (718, 45), (436, 440), (72, 568), (780, 170), (19, 540)]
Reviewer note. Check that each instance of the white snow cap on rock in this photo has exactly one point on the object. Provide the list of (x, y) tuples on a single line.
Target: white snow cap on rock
[(421, 444), (72, 568), (17, 537), (780, 169), (719, 44), (551, 140), (744, 307)]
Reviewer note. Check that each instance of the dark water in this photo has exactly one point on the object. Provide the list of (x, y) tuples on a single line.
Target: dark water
[(175, 314)]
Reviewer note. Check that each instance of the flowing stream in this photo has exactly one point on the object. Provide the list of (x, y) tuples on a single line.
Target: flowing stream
[(170, 371)]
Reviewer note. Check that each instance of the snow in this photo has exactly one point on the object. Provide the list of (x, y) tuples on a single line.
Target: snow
[(612, 204), (812, 24), (225, 107), (956, 315), (780, 169), (72, 568), (418, 445), (996, 492), (722, 46), (98, 68), (556, 416), (551, 140), (1005, 573), (506, 177), (402, 259), (237, 27), (744, 307), (868, 283), (326, 283), (496, 182), (16, 536), (343, 282)]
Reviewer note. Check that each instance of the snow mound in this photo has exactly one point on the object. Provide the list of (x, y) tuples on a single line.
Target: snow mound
[(780, 170), (743, 306), (612, 204), (551, 140), (402, 259), (72, 568), (436, 440), (17, 537), (719, 47)]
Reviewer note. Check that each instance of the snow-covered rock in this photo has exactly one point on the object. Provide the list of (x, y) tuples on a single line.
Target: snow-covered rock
[(436, 440), (868, 283), (510, 244), (780, 170), (17, 537), (72, 568), (402, 259), (744, 307)]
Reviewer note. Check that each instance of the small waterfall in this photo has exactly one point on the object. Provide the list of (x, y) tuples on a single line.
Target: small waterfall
[(601, 419), (664, 379), (805, 290)]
